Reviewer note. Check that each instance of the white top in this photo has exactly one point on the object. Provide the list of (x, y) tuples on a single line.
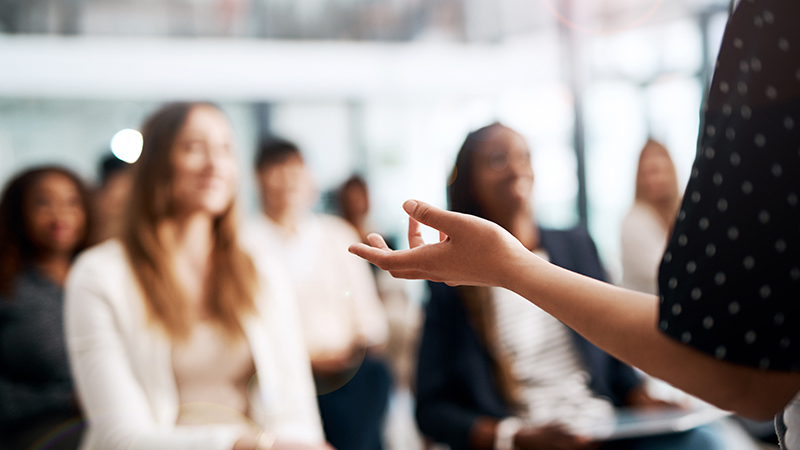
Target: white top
[(212, 371), (336, 293), (644, 240), (123, 369), (791, 418), (555, 385)]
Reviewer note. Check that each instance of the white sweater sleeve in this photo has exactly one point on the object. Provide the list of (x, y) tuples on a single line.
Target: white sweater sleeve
[(118, 412), (297, 417)]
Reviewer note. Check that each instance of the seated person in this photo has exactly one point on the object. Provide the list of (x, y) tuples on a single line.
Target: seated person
[(44, 215), (110, 198), (647, 225), (176, 339), (342, 316), (496, 372), (404, 315)]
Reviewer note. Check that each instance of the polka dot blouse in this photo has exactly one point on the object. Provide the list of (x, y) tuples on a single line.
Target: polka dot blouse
[(730, 278)]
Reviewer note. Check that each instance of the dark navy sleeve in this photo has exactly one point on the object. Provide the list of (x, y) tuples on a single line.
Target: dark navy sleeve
[(441, 414)]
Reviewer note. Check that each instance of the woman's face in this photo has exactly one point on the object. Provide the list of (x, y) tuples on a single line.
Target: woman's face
[(502, 173), (204, 163), (656, 178), (55, 216)]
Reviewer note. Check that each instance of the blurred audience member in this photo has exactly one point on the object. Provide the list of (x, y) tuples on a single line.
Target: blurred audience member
[(110, 198), (646, 227), (343, 319), (404, 316), (645, 232), (353, 199), (176, 339), (43, 225), (496, 372)]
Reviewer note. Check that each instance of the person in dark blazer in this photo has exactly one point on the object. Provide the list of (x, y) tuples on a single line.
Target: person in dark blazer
[(497, 373), (44, 224)]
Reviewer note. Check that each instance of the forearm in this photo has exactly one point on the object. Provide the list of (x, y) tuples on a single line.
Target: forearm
[(474, 251), (624, 323)]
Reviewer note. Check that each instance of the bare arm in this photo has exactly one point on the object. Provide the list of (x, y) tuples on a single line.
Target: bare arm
[(622, 322)]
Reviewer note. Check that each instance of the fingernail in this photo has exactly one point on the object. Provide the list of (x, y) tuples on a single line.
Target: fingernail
[(410, 206)]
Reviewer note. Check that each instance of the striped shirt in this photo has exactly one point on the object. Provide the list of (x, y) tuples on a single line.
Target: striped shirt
[(554, 382)]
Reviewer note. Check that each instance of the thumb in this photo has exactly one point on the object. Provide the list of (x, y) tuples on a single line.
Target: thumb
[(444, 221)]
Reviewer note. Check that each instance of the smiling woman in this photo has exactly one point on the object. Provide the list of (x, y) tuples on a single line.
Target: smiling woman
[(175, 337)]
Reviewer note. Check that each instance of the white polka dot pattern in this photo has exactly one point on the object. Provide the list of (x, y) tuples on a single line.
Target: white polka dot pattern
[(730, 278)]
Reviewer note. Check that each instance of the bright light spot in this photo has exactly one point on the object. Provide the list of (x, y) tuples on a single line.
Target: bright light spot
[(127, 145)]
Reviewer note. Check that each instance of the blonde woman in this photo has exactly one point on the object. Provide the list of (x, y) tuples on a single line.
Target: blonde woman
[(176, 340), (647, 225)]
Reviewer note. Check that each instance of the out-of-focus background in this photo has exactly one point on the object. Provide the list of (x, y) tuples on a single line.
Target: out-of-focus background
[(384, 88)]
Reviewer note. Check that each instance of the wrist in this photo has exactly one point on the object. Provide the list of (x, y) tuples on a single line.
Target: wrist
[(522, 267), (505, 433)]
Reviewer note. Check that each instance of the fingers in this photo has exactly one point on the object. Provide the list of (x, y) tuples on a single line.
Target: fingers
[(444, 221), (371, 254), (376, 240), (411, 274), (414, 233), (386, 259)]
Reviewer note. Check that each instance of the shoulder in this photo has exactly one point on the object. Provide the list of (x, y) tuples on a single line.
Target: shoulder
[(573, 249), (640, 215), (336, 236), (637, 212), (334, 224), (102, 275), (29, 290), (573, 237), (255, 230), (329, 220), (106, 258), (103, 269), (274, 287)]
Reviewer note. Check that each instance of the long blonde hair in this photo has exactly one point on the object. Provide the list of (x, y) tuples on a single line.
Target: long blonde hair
[(668, 209), (233, 284)]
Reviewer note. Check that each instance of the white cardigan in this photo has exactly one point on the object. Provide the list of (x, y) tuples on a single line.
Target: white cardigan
[(123, 368), (644, 240)]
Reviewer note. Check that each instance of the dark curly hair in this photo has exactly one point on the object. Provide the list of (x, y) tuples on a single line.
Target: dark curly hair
[(17, 250)]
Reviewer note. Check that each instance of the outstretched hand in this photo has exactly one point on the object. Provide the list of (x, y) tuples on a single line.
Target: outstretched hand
[(470, 250)]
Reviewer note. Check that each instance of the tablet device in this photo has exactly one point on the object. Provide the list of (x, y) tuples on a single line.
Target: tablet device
[(632, 423)]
